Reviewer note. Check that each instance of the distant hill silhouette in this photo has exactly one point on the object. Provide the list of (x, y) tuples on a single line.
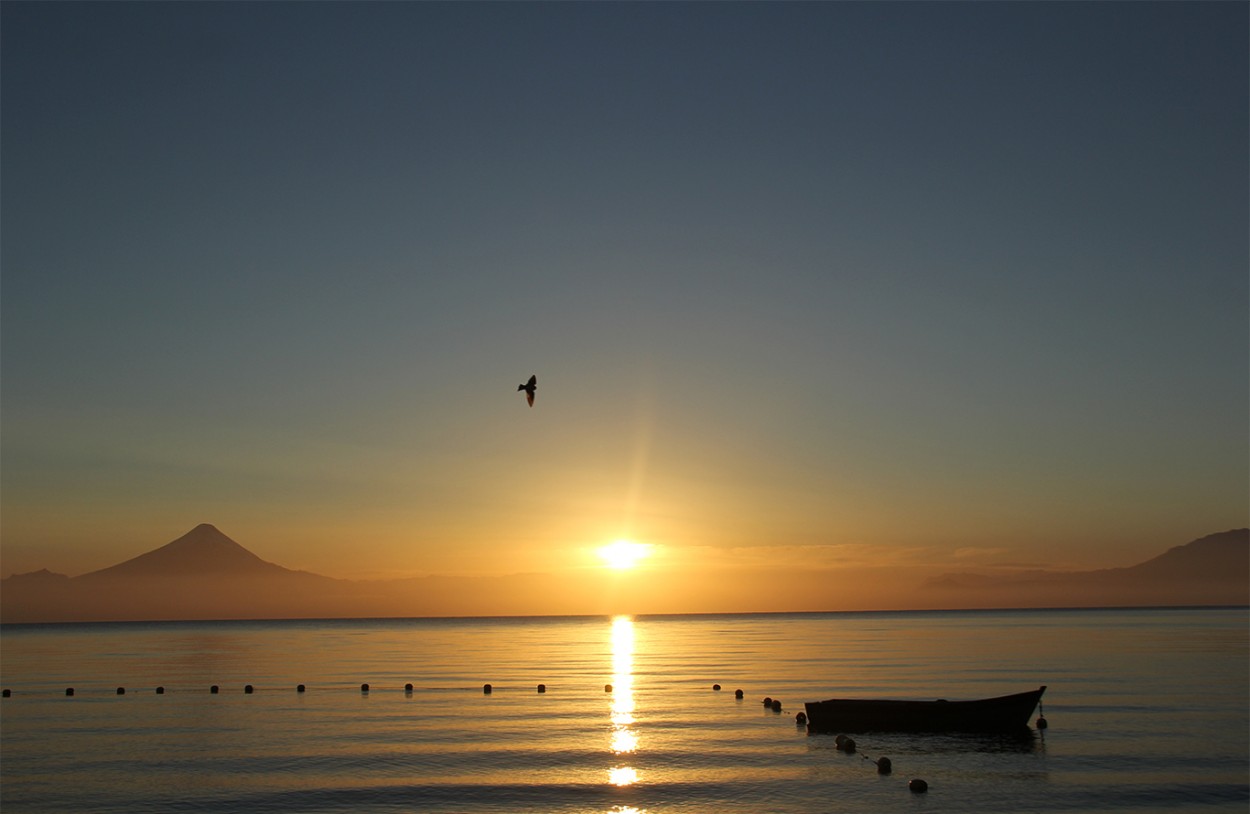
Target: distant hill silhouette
[(1215, 557), (1212, 570), (206, 575), (202, 550), (201, 575)]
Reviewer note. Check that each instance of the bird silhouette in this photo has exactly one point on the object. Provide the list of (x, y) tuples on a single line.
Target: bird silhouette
[(529, 388)]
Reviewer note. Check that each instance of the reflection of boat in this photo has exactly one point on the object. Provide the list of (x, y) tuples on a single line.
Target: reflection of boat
[(1003, 714)]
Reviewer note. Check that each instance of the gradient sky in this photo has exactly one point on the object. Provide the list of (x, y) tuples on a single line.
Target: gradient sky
[(823, 283)]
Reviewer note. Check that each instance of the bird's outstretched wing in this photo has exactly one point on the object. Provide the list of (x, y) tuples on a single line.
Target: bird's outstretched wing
[(529, 388)]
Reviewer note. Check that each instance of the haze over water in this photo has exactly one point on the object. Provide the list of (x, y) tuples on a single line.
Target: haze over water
[(1147, 711)]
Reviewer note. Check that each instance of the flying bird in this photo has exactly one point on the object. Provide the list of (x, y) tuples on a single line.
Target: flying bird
[(529, 388)]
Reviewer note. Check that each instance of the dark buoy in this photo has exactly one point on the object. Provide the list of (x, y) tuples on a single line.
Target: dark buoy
[(884, 766), (738, 694), (160, 690), (918, 786), (121, 690), (299, 688), (248, 689), (776, 705), (801, 718), (768, 702), (1041, 722), (364, 688), (214, 689), (848, 746), (542, 687), (838, 741), (607, 688), (408, 689), (486, 688), (69, 691), (6, 693), (715, 688)]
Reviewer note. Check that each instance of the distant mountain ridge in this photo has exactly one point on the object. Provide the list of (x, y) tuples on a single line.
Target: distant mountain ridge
[(1210, 570), (201, 575), (1216, 556), (204, 574), (202, 550)]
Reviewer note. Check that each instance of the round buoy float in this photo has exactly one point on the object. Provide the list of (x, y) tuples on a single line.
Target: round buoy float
[(408, 688), (715, 688), (884, 766), (838, 741), (486, 688), (768, 702), (776, 705), (69, 691), (121, 690), (800, 719), (848, 746), (738, 694), (607, 688), (918, 786), (299, 687), (6, 693), (542, 687), (364, 688), (160, 690), (248, 689), (1041, 722), (214, 689)]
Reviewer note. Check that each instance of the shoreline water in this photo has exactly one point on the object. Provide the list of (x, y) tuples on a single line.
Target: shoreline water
[(662, 740)]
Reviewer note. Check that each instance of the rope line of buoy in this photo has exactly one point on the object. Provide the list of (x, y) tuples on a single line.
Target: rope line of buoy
[(249, 689), (884, 766), (408, 688), (845, 743)]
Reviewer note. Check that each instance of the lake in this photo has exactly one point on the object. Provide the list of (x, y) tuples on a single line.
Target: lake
[(1148, 710)]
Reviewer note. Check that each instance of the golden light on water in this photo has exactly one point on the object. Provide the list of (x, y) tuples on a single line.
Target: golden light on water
[(623, 776), (624, 739), (624, 742), (622, 672)]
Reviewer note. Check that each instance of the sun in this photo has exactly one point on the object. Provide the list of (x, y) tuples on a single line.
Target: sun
[(623, 554)]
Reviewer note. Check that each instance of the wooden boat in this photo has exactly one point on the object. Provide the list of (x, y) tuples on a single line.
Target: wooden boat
[(1004, 714)]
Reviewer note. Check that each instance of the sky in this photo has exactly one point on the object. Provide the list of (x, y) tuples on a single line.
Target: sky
[(813, 286)]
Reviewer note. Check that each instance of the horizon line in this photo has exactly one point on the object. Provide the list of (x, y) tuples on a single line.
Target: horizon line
[(633, 616)]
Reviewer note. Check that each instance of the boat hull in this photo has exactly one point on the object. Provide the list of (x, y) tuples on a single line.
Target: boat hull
[(1008, 713)]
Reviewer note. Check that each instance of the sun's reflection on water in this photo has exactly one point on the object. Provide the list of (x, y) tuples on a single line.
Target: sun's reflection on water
[(624, 739), (622, 775)]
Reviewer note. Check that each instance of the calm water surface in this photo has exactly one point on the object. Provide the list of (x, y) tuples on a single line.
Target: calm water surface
[(1149, 710)]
